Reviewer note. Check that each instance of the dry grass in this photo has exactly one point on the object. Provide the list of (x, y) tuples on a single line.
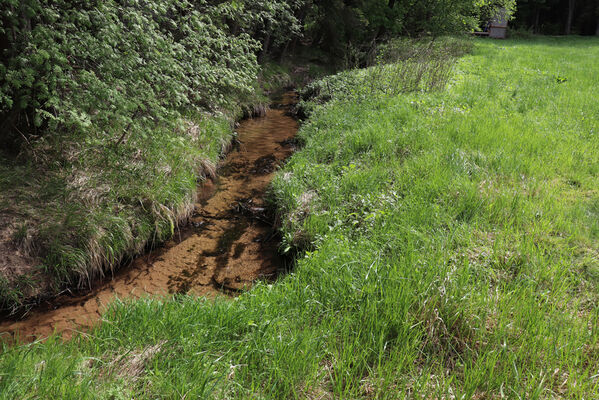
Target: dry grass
[(132, 364)]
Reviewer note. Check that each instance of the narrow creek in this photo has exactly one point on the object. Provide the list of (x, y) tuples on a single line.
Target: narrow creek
[(229, 244)]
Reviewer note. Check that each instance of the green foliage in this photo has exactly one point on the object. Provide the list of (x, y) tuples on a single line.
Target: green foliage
[(110, 112), (104, 68), (340, 26), (274, 22), (452, 241)]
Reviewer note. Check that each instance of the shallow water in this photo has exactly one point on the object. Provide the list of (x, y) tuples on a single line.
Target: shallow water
[(229, 243)]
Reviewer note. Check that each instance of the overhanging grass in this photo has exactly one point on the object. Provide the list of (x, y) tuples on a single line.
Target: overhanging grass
[(100, 202), (453, 253)]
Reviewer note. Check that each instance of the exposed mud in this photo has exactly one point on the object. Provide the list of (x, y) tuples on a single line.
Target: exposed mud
[(229, 244)]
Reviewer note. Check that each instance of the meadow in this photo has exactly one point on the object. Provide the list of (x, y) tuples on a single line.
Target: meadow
[(447, 247)]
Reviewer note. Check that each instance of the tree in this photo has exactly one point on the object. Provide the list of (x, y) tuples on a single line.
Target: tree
[(571, 5), (548, 16), (334, 24)]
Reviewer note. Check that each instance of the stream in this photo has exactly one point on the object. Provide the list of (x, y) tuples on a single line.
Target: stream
[(229, 243)]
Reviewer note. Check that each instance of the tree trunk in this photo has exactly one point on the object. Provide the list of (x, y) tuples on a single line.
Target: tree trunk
[(265, 42), (597, 31), (391, 3), (265, 47), (284, 52), (571, 4), (537, 18)]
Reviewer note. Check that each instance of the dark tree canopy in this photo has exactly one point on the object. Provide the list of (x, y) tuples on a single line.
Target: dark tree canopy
[(333, 24), (558, 16)]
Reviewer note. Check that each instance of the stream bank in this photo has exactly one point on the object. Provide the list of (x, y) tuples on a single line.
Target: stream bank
[(229, 243)]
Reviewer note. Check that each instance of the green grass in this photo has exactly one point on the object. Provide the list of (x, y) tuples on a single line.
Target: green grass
[(450, 252), (76, 206), (91, 203)]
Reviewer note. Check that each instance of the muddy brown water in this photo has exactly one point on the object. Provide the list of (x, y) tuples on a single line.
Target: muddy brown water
[(229, 244)]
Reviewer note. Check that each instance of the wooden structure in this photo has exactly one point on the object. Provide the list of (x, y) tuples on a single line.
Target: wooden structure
[(497, 27)]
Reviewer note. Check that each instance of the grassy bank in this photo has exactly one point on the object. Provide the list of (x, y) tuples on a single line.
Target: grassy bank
[(109, 115), (75, 217), (450, 242)]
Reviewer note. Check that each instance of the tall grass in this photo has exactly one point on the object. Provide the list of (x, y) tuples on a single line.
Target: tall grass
[(75, 222), (450, 251), (398, 66)]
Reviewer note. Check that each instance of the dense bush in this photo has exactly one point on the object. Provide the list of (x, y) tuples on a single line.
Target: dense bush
[(115, 67)]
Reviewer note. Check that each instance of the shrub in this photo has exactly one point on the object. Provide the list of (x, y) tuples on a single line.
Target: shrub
[(114, 68)]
